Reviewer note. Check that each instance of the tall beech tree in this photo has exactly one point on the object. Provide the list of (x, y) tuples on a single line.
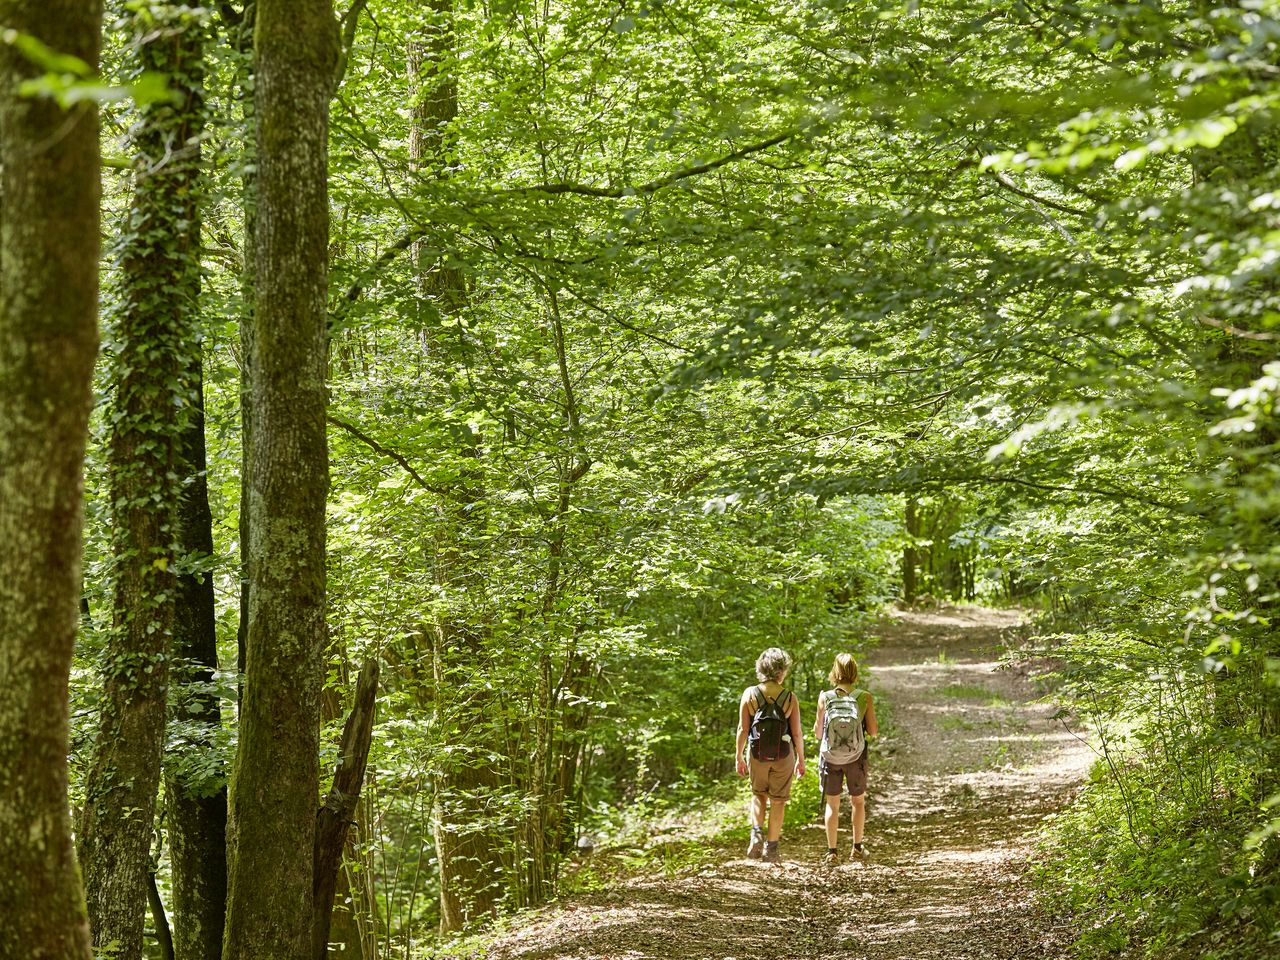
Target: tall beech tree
[(466, 848), (49, 187), (275, 782)]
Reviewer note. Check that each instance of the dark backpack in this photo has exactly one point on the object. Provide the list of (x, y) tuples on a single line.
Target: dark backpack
[(768, 726)]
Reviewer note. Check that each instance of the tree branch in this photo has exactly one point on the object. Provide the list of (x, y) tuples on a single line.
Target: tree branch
[(377, 447), (653, 186), (418, 232), (613, 317), (1012, 187), (1078, 488), (339, 808), (1236, 331), (350, 22)]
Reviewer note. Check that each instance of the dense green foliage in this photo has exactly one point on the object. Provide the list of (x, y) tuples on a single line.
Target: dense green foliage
[(651, 322)]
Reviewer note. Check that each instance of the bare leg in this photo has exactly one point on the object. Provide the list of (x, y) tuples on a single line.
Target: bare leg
[(757, 811), (776, 809), (831, 819), (859, 816)]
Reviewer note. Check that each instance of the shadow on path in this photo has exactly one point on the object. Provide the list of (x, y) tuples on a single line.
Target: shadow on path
[(952, 814)]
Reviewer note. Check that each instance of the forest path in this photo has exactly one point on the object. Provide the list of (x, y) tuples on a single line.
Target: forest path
[(972, 767)]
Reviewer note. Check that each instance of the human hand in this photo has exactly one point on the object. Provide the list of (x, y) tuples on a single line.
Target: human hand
[(742, 767), (799, 769)]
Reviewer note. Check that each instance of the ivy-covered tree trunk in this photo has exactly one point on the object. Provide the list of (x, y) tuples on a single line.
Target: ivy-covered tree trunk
[(433, 87), (154, 341), (275, 784), (195, 785), (49, 229)]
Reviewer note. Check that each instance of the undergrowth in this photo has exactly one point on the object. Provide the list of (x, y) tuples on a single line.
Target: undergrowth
[(1163, 854)]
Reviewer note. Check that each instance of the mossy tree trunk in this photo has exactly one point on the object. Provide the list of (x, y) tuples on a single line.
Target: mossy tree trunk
[(155, 350), (275, 783), (196, 801), (49, 229)]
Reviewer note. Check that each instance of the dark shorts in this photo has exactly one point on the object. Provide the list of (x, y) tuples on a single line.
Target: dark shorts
[(834, 775)]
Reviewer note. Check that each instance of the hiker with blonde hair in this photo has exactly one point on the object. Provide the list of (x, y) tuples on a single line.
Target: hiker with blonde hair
[(846, 717), (769, 720)]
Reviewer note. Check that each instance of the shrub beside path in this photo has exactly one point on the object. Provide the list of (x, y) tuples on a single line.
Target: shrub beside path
[(972, 767)]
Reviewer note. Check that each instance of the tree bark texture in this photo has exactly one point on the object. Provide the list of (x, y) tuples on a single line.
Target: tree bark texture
[(339, 809), (355, 925), (344, 939), (49, 229), (275, 782), (196, 803), (154, 338), (909, 557), (433, 91)]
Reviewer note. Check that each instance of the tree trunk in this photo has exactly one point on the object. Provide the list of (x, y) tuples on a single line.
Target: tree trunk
[(909, 558), (344, 937), (339, 808), (433, 89), (360, 883), (243, 41), (159, 280), (164, 934), (275, 783), (49, 232), (196, 803), (541, 834), (466, 848)]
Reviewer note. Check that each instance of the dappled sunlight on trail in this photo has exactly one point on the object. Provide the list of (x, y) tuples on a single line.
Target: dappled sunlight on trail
[(967, 771)]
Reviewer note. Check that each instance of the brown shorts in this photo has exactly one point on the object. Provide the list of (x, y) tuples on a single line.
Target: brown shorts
[(854, 774), (772, 778)]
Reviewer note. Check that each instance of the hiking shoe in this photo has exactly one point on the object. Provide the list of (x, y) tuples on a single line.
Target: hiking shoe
[(756, 847), (857, 855), (771, 854), (830, 858)]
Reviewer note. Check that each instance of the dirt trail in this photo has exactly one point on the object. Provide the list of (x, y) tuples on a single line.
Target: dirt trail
[(970, 770)]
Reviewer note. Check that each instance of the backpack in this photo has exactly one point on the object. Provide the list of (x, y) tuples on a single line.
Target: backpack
[(842, 737), (768, 726)]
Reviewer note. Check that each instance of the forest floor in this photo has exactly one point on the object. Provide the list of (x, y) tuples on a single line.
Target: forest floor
[(971, 767)]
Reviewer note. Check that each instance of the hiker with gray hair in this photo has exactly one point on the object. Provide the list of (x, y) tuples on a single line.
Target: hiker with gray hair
[(769, 720)]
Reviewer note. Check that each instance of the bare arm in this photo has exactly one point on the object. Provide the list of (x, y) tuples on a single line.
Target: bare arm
[(872, 728), (797, 735), (744, 725), (819, 718)]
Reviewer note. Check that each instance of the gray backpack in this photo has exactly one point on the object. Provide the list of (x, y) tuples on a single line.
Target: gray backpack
[(842, 737)]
